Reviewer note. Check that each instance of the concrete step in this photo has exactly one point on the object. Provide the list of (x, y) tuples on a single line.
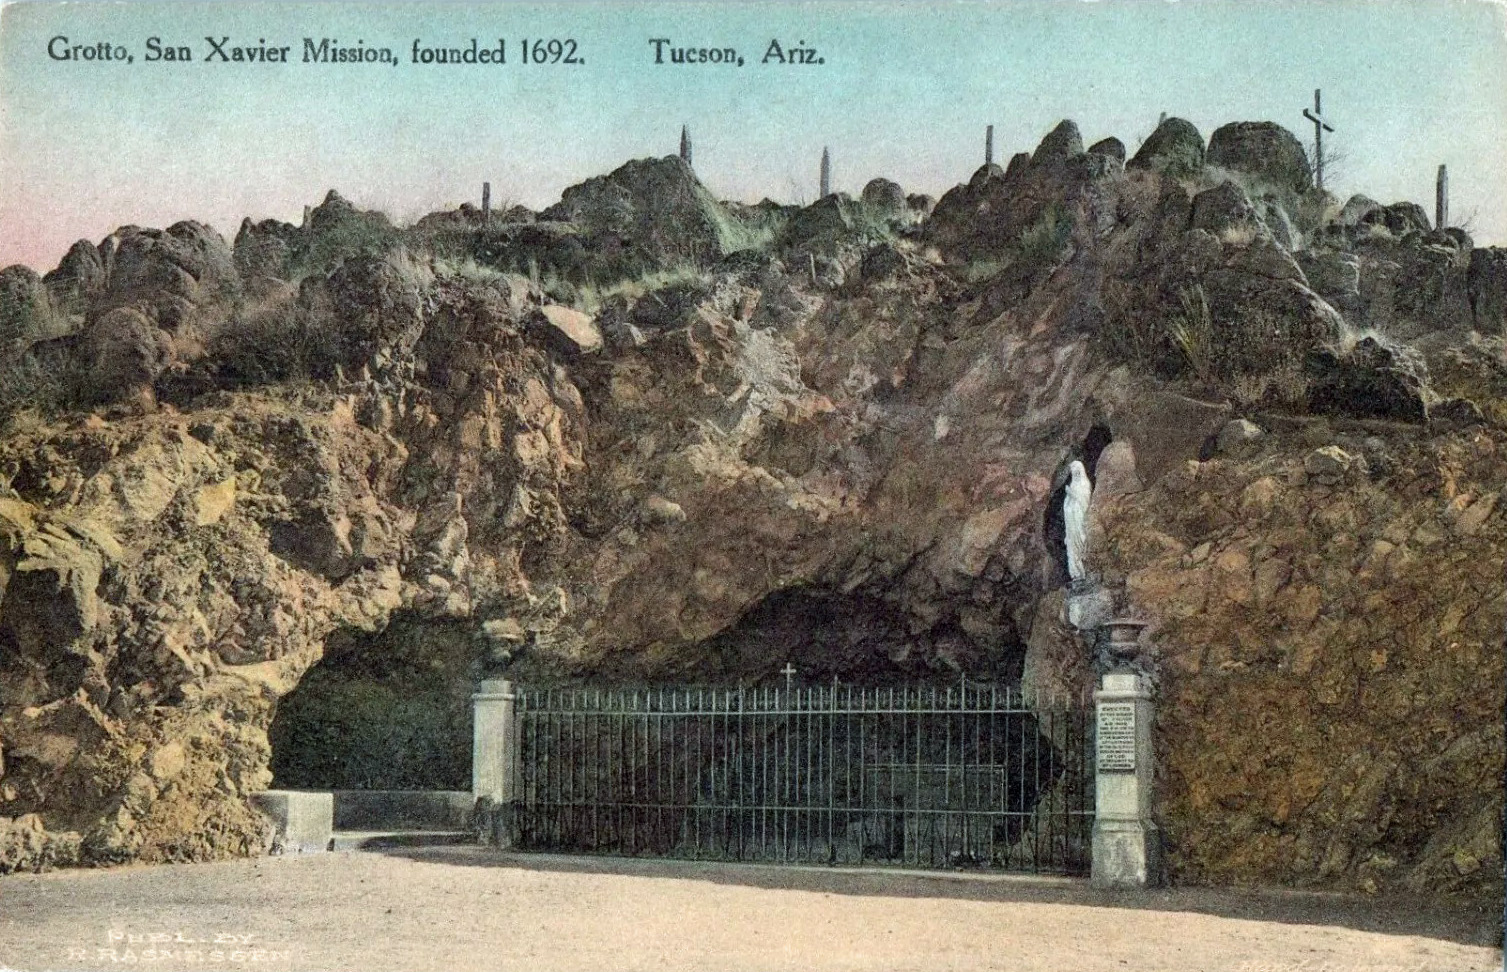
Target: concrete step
[(353, 840), (391, 810)]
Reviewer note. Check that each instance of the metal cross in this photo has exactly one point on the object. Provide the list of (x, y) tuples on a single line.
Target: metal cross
[(1320, 126), (789, 672)]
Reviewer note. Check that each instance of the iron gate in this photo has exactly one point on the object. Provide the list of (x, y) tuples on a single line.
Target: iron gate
[(965, 776)]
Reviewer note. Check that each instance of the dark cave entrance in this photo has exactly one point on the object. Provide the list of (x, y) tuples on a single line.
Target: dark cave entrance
[(863, 638), (384, 711)]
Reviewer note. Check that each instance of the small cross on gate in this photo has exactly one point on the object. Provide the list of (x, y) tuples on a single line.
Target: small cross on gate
[(1320, 126), (789, 672)]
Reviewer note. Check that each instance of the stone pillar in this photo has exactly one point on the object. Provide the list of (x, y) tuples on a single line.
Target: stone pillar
[(1441, 199), (1127, 845), (494, 754), (486, 202), (989, 145)]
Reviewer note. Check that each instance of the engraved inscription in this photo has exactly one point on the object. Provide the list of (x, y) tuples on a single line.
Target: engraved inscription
[(1115, 745)]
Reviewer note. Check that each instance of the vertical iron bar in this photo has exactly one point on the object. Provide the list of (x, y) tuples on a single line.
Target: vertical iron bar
[(947, 835), (1036, 790), (1020, 802), (730, 775), (738, 781), (683, 797), (832, 774), (782, 767), (993, 819), (593, 780), (763, 754), (806, 801), (897, 815), (700, 766), (572, 762), (618, 759), (863, 803), (660, 719)]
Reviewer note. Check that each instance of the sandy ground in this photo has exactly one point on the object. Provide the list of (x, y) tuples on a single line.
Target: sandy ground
[(472, 908)]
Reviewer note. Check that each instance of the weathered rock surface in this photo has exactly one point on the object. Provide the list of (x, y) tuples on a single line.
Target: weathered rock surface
[(265, 249), (657, 204), (78, 277), (1307, 646), (25, 308), (836, 448), (1174, 149), (1370, 381), (1264, 150)]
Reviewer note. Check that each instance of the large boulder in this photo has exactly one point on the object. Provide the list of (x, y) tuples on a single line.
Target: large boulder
[(1356, 208), (25, 309), (264, 249), (1264, 150), (568, 331), (182, 276), (1487, 285), (1224, 209), (1413, 287), (1335, 276), (657, 205), (1370, 380), (377, 306), (1061, 145), (124, 352), (1175, 149), (884, 196), (1109, 147), (983, 175), (825, 221), (1399, 218), (79, 276)]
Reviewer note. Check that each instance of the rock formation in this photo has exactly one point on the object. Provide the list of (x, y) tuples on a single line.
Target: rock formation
[(650, 435)]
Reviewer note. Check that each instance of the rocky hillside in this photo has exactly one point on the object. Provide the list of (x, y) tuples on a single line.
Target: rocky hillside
[(648, 435)]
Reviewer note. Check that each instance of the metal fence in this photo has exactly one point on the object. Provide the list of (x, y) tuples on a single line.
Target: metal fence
[(963, 776)]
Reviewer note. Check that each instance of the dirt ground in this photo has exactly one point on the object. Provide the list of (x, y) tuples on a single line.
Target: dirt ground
[(473, 908)]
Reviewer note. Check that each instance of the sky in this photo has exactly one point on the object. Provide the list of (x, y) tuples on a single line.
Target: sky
[(905, 91)]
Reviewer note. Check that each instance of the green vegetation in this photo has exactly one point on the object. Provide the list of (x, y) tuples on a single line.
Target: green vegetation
[(1042, 243), (755, 231), (1192, 331), (271, 341)]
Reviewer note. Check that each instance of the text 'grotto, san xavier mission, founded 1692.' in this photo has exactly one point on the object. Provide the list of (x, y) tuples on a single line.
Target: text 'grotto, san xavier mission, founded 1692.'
[(271, 508)]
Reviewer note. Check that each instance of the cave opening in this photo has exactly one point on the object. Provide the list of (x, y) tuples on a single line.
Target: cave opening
[(862, 637), (383, 711)]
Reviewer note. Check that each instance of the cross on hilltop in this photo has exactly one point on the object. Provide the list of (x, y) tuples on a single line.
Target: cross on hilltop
[(1320, 126)]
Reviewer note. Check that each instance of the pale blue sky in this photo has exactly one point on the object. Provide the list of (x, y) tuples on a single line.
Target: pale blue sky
[(905, 92)]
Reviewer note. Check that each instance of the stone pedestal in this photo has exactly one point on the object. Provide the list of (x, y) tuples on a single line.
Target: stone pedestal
[(1127, 845), (494, 757), (305, 821)]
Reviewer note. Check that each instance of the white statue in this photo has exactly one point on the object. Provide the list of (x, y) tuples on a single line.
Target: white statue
[(1075, 519)]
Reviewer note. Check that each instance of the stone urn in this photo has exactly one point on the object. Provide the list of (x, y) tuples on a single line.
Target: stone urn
[(1122, 642)]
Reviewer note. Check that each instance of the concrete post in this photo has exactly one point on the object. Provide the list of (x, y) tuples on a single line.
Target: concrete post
[(989, 145), (494, 753), (1127, 845), (486, 202), (826, 180)]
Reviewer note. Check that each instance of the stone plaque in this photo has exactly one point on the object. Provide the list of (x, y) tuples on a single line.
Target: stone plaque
[(1115, 743)]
